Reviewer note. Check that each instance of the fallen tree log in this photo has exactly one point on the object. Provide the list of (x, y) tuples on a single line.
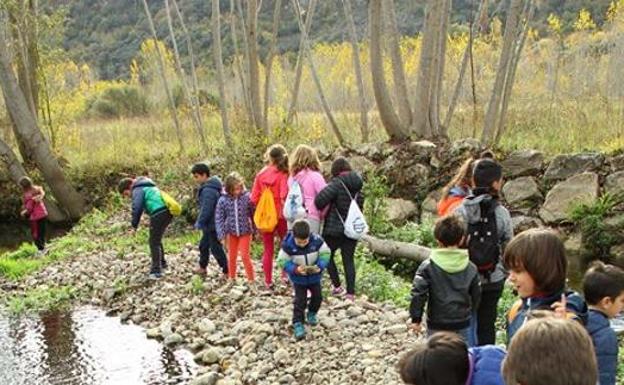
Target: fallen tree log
[(396, 249)]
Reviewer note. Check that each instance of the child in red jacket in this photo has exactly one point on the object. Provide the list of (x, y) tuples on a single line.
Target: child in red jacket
[(34, 209)]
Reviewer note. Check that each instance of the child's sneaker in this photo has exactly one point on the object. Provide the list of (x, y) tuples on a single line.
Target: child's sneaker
[(200, 271), (154, 276), (350, 297), (312, 320), (299, 330), (337, 291)]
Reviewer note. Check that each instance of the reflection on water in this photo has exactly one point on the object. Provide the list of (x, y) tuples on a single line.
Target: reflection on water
[(85, 347)]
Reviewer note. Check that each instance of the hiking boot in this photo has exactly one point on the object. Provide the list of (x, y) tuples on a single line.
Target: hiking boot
[(154, 276), (200, 271), (299, 330), (338, 291), (312, 320)]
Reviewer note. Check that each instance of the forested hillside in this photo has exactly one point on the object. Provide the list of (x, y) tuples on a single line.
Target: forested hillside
[(107, 34)]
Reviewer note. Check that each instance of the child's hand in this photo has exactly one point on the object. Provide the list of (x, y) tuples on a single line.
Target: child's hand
[(560, 308), (416, 327), (24, 213), (314, 269), (301, 270)]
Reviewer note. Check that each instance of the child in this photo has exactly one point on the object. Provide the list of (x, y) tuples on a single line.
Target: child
[(146, 197), (345, 184), (304, 256), (273, 177), (208, 196), (551, 351), (603, 287), (484, 215), (448, 283), (446, 360), (35, 210), (538, 267), (305, 169), (234, 218)]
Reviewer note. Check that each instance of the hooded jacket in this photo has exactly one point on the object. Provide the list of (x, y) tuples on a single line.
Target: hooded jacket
[(208, 196), (485, 365), (316, 253), (234, 216), (455, 198), (449, 284), (470, 212), (36, 210), (274, 179), (517, 315), (312, 183), (606, 346), (336, 199), (145, 197)]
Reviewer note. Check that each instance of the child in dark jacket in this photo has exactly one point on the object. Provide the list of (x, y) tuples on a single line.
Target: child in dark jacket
[(336, 197), (234, 218), (538, 266), (448, 283), (146, 197), (603, 287), (304, 256), (208, 195), (34, 209), (446, 360)]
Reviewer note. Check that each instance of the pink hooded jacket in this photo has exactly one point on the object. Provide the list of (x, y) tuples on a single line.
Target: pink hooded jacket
[(311, 182), (36, 210)]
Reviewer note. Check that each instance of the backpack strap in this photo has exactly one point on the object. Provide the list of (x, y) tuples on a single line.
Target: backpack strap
[(347, 189), (513, 312)]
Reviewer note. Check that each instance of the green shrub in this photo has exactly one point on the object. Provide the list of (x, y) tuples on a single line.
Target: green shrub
[(26, 250), (118, 101), (42, 299)]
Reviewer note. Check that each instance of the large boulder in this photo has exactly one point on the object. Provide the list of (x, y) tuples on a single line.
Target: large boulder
[(574, 251), (430, 204), (617, 253), (523, 163), (522, 192), (617, 163), (467, 145), (422, 148), (522, 223), (564, 166), (582, 188), (398, 211), (614, 184), (361, 164)]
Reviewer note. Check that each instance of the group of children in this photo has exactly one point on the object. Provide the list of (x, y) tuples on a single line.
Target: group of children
[(461, 283), (310, 226)]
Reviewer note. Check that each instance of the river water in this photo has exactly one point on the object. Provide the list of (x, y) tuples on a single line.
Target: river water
[(85, 346)]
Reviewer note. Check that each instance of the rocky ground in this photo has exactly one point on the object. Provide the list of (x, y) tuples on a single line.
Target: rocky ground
[(240, 333)]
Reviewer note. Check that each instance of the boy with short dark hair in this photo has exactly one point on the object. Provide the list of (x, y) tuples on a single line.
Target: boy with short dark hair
[(304, 256), (210, 189), (448, 283), (550, 351), (146, 197), (603, 287)]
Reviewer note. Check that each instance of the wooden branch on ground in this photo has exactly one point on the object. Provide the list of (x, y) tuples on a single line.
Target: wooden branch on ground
[(396, 249)]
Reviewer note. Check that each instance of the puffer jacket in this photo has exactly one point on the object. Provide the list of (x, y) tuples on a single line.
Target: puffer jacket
[(606, 346), (274, 179), (145, 197), (337, 198), (316, 253), (450, 286), (517, 315), (208, 196), (485, 365), (234, 215)]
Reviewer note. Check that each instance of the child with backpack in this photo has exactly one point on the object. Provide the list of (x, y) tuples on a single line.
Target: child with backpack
[(448, 283), (268, 194), (489, 230), (444, 359), (34, 209), (208, 195), (147, 197), (234, 219), (537, 270), (603, 286), (304, 255), (304, 184), (343, 198)]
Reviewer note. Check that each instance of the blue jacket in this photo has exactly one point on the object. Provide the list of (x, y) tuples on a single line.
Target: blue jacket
[(576, 308), (145, 197), (208, 196), (606, 345), (485, 365), (316, 253)]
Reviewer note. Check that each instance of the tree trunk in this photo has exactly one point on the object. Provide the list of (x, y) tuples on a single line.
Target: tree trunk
[(163, 77), (185, 89), (440, 64), (218, 59), (315, 77), (387, 114), (398, 70), (357, 67), (299, 66), (494, 106), (26, 126), (269, 66), (254, 68), (237, 60), (396, 249)]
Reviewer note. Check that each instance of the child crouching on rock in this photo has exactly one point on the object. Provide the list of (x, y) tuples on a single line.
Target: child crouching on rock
[(304, 256)]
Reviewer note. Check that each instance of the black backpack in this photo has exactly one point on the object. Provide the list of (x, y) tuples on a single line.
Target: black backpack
[(484, 246)]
